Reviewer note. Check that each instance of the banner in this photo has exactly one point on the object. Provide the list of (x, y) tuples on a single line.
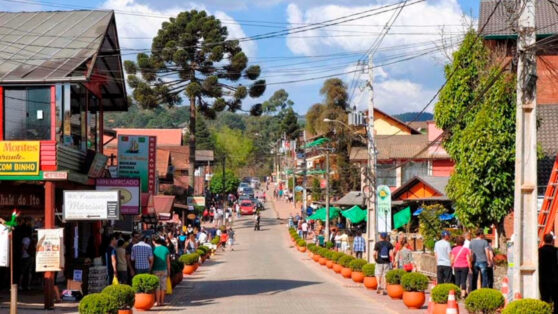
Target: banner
[(19, 158), (402, 218), (384, 208), (4, 246), (129, 193), (137, 159), (50, 250)]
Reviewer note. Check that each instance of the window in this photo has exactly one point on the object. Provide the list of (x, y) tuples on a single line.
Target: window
[(27, 113), (413, 169), (386, 174)]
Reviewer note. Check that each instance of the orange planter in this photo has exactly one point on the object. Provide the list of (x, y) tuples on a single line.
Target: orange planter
[(302, 249), (316, 257), (346, 272), (371, 283), (337, 268), (440, 308), (188, 269), (144, 301), (357, 276), (196, 265), (127, 311), (322, 261), (413, 299), (395, 291), (329, 264)]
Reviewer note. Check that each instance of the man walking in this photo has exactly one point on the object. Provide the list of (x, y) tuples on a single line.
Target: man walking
[(442, 251), (480, 249), (142, 256), (548, 271), (383, 252), (359, 245), (304, 228)]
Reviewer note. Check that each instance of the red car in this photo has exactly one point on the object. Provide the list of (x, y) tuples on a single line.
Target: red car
[(247, 207)]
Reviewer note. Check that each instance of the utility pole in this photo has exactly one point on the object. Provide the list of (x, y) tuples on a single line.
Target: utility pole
[(304, 169), (525, 269), (327, 196), (371, 171), (223, 182)]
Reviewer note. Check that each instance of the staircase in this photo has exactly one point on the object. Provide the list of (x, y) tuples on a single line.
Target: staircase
[(549, 205)]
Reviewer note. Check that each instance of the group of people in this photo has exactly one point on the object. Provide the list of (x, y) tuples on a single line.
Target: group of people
[(220, 216)]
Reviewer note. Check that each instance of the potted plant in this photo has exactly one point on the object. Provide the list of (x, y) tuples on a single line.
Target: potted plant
[(485, 301), (176, 272), (356, 267), (201, 255), (124, 295), (316, 256), (414, 285), (345, 261), (144, 285), (329, 245), (311, 248), (370, 281), (189, 261), (98, 303), (301, 244), (329, 257), (322, 260), (337, 267), (393, 280), (528, 306), (440, 296)]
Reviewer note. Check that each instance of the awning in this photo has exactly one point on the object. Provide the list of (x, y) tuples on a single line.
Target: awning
[(317, 142), (163, 204), (320, 214), (355, 214)]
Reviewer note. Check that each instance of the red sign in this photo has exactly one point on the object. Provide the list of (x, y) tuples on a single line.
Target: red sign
[(152, 164), (55, 175)]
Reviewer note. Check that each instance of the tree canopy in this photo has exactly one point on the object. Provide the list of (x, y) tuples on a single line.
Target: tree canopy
[(236, 148), (216, 182)]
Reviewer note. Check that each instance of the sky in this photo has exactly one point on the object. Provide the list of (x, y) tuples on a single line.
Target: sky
[(408, 63)]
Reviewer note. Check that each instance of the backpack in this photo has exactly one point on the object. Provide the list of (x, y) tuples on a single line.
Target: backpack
[(384, 251)]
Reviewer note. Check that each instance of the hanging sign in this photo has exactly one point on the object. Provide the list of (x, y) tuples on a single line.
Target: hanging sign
[(137, 159), (91, 205), (383, 212), (129, 193), (19, 158), (50, 250), (4, 246)]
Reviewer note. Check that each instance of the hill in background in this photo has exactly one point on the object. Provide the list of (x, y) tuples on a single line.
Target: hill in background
[(411, 116)]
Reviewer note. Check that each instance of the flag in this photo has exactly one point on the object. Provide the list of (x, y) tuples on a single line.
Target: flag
[(402, 218)]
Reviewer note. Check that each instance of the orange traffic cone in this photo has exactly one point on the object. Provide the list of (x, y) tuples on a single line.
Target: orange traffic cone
[(452, 304), (430, 309)]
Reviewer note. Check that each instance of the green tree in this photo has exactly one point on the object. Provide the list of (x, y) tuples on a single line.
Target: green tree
[(316, 190), (236, 147), (278, 102), (482, 134), (231, 182), (289, 125), (191, 55), (333, 107), (205, 139)]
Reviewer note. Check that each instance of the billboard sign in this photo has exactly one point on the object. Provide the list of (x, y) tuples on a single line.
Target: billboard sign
[(129, 193), (137, 159), (19, 158), (91, 205)]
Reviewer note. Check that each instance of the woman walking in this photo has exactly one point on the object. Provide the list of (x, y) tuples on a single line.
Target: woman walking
[(404, 257), (461, 263)]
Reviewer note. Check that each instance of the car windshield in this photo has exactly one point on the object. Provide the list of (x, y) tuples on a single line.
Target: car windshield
[(246, 204)]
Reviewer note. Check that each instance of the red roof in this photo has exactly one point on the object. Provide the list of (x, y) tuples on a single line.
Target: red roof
[(163, 203), (170, 137)]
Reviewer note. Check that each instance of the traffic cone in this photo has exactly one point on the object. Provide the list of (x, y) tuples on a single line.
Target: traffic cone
[(452, 304), (505, 289), (430, 309)]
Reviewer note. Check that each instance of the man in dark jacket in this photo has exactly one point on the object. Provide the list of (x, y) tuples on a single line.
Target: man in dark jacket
[(548, 271)]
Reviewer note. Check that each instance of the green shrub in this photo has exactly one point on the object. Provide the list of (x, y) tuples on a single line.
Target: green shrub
[(321, 251), (414, 282), (301, 243), (369, 270), (329, 245), (205, 249), (145, 283), (345, 260), (429, 244), (356, 264), (189, 259), (216, 239), (528, 306), (176, 267), (124, 294), (485, 301), (441, 291), (311, 247), (335, 256), (200, 252), (393, 277), (95, 303), (328, 254)]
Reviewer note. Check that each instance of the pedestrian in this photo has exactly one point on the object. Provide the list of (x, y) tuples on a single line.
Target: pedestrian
[(161, 268), (359, 245), (467, 243), (383, 253), (304, 228), (257, 222), (479, 248), (25, 263), (224, 239), (110, 259), (442, 251), (202, 236), (231, 238), (337, 239), (461, 262), (190, 245), (131, 269), (404, 256), (142, 256), (548, 271), (490, 265), (211, 214), (121, 263), (344, 242)]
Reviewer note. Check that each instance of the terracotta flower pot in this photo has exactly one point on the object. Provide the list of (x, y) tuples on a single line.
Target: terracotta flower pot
[(322, 261), (357, 276), (196, 265), (310, 254), (414, 299), (440, 308), (395, 291), (188, 269), (346, 272), (337, 268), (302, 249), (316, 257), (126, 311), (144, 301), (329, 264), (371, 283)]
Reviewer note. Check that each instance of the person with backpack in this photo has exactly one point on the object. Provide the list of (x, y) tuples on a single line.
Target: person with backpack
[(383, 253)]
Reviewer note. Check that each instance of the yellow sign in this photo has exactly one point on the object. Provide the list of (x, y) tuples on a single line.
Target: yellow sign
[(19, 158)]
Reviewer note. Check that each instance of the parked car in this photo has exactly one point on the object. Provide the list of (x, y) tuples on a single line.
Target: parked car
[(247, 207), (248, 191), (241, 187)]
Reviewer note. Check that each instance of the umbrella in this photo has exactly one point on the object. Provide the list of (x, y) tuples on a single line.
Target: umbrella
[(418, 211), (320, 214), (446, 216), (298, 188), (355, 214)]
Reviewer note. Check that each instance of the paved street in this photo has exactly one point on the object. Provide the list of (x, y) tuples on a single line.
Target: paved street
[(264, 275)]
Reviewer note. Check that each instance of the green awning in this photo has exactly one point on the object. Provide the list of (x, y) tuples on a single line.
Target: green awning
[(355, 214), (317, 142), (320, 214)]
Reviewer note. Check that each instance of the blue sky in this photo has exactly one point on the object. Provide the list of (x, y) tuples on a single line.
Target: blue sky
[(418, 45)]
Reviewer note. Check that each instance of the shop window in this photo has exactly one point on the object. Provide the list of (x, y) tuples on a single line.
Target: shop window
[(27, 113), (413, 169), (386, 174)]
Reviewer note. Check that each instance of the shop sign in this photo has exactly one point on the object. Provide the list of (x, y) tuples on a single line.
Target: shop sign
[(91, 205), (129, 193), (50, 250), (137, 159), (55, 175), (97, 167), (4, 246), (19, 158), (384, 208), (195, 201), (20, 199)]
